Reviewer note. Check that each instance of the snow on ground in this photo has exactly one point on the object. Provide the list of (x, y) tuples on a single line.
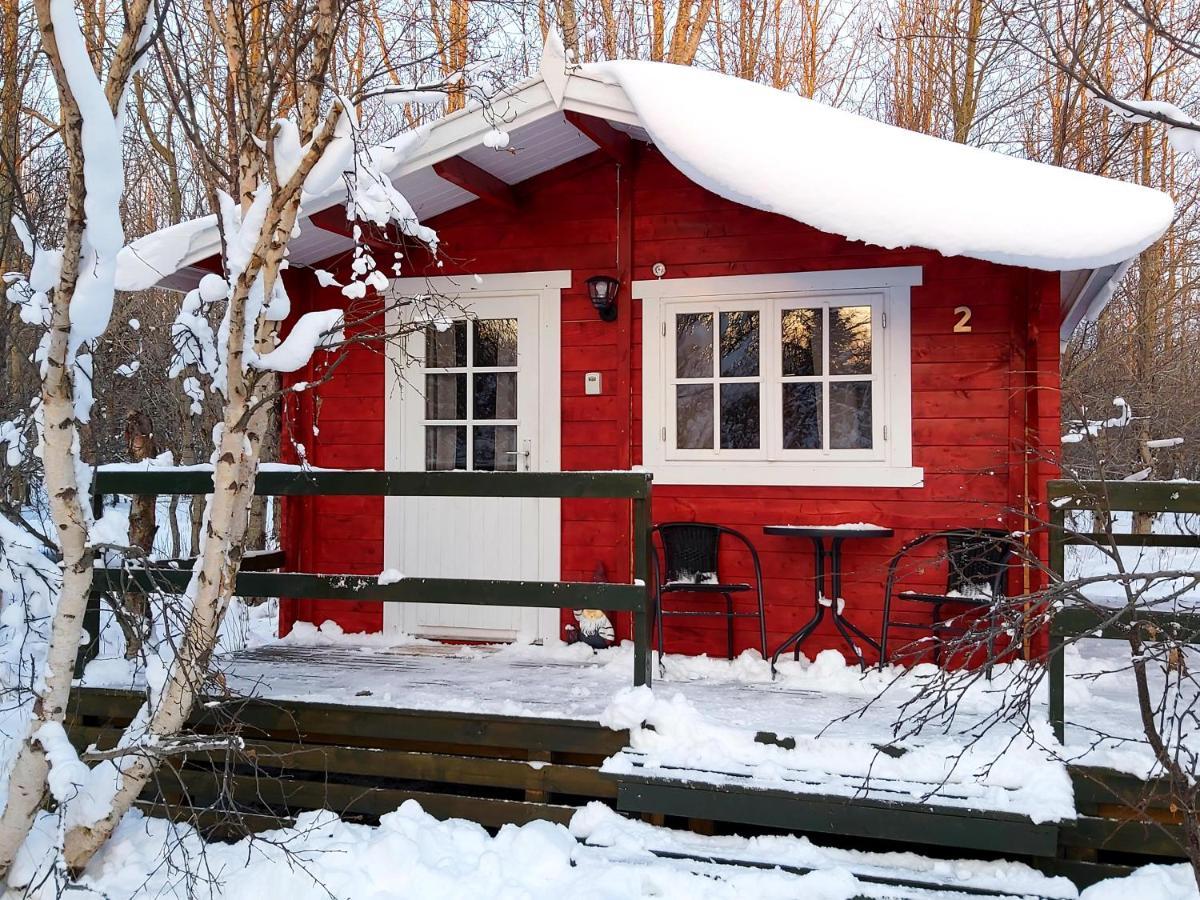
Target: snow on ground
[(1087, 562), (1158, 882), (412, 855), (601, 855)]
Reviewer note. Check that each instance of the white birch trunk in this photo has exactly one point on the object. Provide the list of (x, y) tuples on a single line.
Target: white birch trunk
[(60, 443), (27, 782)]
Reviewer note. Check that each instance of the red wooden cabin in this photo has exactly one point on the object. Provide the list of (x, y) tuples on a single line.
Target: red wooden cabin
[(931, 403)]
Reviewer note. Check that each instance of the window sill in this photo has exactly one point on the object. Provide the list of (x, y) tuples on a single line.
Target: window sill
[(788, 474)]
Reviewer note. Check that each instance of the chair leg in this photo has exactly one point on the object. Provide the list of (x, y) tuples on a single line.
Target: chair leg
[(762, 625), (729, 624), (883, 635), (658, 626)]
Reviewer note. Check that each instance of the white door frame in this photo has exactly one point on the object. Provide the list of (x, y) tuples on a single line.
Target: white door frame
[(547, 287)]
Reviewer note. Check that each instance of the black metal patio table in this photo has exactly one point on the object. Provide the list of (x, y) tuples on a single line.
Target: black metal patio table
[(833, 601)]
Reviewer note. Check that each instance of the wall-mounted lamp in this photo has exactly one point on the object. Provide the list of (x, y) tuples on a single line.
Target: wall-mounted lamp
[(602, 291)]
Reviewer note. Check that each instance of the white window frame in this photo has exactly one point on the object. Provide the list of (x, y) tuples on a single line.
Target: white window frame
[(887, 464)]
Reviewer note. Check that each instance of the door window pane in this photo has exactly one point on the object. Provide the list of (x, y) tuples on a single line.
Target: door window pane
[(850, 340), (446, 348), (495, 342), (491, 448), (693, 346), (495, 395), (739, 416), (445, 396), (850, 415), (445, 447), (801, 416), (801, 333), (739, 344), (694, 416)]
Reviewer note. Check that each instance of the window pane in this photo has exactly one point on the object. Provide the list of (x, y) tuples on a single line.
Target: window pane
[(445, 396), (801, 416), (850, 340), (491, 446), (801, 341), (739, 416), (446, 348), (739, 343), (495, 342), (495, 395), (693, 346), (694, 416), (850, 415), (445, 447)]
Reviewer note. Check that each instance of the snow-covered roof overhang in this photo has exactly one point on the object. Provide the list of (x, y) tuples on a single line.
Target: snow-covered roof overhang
[(833, 170)]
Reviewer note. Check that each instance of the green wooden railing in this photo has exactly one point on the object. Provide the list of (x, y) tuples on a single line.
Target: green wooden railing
[(633, 598), (1092, 621)]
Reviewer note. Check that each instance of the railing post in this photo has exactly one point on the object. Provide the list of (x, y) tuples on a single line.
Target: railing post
[(642, 662), (1057, 662)]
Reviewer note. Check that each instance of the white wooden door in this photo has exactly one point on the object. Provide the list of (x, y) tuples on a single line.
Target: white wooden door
[(472, 399)]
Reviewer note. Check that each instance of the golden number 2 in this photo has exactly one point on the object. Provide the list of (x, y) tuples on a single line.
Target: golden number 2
[(962, 326)]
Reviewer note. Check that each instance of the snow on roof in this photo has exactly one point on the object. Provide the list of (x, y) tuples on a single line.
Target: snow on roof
[(836, 171), (147, 261), (850, 175)]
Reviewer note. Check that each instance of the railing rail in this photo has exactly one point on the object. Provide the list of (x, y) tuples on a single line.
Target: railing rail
[(634, 598), (295, 482), (1071, 622)]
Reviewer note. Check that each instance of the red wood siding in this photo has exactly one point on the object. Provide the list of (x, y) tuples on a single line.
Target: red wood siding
[(971, 392)]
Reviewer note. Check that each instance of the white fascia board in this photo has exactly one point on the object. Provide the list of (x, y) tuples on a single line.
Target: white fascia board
[(556, 279), (783, 282), (599, 98), (530, 103), (466, 130)]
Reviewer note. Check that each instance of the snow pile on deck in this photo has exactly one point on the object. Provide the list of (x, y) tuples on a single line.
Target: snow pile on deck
[(1004, 773), (597, 825), (849, 175)]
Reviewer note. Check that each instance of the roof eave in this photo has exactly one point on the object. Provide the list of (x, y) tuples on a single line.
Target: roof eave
[(1086, 292)]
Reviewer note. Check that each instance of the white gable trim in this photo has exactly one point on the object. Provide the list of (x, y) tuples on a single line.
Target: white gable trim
[(535, 99)]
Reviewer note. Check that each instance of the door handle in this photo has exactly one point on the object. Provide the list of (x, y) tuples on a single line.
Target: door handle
[(524, 453)]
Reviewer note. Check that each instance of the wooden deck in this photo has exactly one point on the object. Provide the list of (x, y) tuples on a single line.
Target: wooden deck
[(362, 757)]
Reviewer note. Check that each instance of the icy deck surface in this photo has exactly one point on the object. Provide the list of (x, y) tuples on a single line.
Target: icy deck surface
[(706, 714)]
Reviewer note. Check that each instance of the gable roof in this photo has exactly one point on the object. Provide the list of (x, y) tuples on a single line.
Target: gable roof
[(754, 145)]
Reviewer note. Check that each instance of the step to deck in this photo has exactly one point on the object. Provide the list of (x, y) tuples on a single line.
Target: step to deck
[(363, 762)]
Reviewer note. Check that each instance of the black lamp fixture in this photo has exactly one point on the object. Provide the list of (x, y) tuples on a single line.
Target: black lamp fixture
[(602, 291)]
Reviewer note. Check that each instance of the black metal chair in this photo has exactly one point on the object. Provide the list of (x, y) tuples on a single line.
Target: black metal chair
[(977, 564), (689, 566)]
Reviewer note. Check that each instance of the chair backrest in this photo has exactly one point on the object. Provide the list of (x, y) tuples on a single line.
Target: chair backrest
[(978, 561), (689, 551)]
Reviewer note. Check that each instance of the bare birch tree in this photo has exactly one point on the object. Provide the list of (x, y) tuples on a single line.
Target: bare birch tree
[(76, 301)]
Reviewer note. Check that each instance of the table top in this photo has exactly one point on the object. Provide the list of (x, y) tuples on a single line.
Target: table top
[(857, 530)]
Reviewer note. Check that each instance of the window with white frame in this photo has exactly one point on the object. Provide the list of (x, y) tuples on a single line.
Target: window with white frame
[(748, 381)]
